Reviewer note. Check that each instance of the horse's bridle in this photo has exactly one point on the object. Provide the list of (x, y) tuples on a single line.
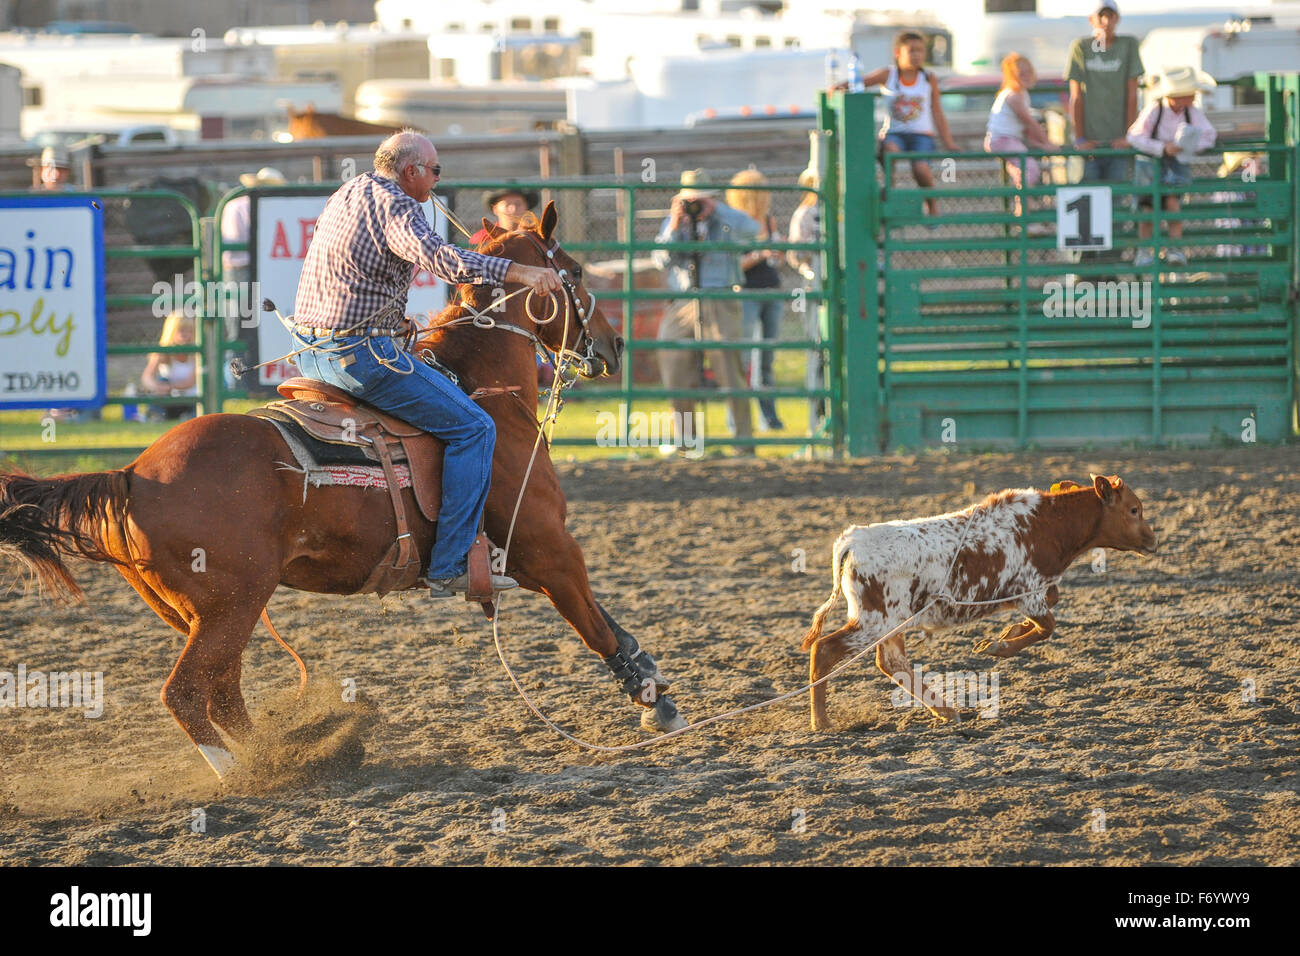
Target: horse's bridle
[(569, 363)]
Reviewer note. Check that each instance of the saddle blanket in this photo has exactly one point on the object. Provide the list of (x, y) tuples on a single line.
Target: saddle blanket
[(316, 474)]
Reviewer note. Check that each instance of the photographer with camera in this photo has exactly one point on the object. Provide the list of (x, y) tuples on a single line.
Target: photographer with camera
[(697, 215)]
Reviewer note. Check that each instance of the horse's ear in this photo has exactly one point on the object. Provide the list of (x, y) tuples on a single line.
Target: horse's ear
[(549, 219)]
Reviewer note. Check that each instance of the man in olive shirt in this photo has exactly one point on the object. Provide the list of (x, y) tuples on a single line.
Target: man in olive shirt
[(1103, 74)]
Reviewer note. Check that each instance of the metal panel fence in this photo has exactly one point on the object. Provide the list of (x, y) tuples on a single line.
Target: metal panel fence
[(986, 334), (620, 220)]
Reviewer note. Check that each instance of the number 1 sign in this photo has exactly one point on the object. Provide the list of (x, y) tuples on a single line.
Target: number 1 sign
[(1083, 217)]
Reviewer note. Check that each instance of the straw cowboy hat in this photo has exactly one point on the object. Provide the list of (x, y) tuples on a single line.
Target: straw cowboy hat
[(493, 196), (266, 176), (690, 191), (1183, 81), (55, 156)]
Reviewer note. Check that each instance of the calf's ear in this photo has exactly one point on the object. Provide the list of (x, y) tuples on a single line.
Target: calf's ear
[(1105, 490), (1065, 484)]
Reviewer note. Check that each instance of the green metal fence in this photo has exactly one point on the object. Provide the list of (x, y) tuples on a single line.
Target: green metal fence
[(620, 230), (983, 333)]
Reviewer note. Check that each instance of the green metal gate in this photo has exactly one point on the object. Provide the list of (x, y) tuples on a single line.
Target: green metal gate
[(984, 335)]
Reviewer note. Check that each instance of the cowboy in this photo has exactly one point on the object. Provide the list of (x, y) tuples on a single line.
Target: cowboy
[(509, 205), (55, 168), (351, 304)]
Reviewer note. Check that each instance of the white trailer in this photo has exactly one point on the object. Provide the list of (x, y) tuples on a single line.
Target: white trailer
[(11, 104), (1229, 53)]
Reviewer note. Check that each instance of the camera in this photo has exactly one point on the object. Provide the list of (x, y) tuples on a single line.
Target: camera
[(692, 208)]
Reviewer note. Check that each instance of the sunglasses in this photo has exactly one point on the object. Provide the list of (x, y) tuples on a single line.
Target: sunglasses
[(434, 168)]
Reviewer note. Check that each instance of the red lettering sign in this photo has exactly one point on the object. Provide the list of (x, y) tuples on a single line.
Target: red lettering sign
[(280, 244), (307, 229)]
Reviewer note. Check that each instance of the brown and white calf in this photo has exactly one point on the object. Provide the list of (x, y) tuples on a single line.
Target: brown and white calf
[(1015, 541)]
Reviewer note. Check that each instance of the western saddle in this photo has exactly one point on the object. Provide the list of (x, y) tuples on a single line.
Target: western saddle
[(331, 416)]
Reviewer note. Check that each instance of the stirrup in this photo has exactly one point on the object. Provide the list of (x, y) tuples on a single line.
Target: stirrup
[(453, 587)]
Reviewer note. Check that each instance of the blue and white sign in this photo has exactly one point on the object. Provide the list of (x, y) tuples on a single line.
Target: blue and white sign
[(52, 340)]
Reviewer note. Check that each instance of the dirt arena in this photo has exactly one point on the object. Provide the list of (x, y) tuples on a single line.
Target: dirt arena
[(1125, 739)]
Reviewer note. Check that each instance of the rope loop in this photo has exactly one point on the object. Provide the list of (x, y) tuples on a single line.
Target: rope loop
[(555, 308)]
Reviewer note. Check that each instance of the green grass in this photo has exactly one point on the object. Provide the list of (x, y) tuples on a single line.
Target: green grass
[(79, 446)]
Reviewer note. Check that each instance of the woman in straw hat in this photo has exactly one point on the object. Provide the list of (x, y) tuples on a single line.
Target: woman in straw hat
[(1171, 130)]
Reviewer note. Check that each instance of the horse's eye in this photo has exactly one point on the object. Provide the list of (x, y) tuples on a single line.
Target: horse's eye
[(577, 273)]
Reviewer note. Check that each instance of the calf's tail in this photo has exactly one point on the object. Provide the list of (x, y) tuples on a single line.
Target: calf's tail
[(819, 618)]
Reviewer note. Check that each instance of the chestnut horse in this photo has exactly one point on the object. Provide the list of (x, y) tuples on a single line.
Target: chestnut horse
[(211, 487)]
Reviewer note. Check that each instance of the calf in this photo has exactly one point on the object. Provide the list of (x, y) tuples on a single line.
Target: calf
[(1013, 542)]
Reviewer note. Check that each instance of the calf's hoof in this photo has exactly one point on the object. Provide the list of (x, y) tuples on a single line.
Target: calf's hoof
[(995, 648), (663, 717)]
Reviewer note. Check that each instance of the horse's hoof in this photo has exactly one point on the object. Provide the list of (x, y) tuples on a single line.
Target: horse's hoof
[(663, 717), (994, 649), (221, 760)]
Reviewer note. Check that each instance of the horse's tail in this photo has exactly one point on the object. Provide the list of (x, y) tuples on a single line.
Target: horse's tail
[(44, 519), (819, 618)]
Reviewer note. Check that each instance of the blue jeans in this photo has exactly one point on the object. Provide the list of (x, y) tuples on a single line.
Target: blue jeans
[(762, 320), (911, 142), (428, 400), (1105, 169)]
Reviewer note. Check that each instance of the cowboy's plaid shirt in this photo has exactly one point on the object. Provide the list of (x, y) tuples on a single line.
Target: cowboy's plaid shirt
[(363, 256)]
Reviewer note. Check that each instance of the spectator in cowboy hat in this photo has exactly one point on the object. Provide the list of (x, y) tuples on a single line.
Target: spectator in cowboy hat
[(236, 225), (697, 214), (1170, 131), (55, 168), (509, 205), (266, 176)]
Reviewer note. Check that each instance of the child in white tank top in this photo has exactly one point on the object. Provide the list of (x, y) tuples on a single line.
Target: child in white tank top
[(915, 115)]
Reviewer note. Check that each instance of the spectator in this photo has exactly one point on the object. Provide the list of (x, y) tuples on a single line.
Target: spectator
[(1012, 128), (914, 109), (1103, 74), (508, 206), (173, 373), (1170, 130), (762, 318), (697, 215), (806, 226), (55, 168), (236, 265), (236, 221)]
